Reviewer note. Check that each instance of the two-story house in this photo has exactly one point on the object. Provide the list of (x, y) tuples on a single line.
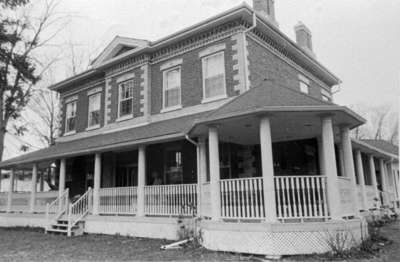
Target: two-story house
[(229, 121)]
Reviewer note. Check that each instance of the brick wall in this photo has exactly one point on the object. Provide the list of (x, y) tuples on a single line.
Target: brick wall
[(264, 65)]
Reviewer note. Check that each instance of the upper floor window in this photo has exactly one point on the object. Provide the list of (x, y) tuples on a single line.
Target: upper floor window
[(125, 103), (326, 96), (94, 110), (304, 84), (214, 76), (172, 88), (70, 122)]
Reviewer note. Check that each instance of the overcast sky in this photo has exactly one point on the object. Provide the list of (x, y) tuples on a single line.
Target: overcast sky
[(357, 40)]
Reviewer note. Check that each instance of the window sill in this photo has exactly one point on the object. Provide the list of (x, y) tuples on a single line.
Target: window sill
[(93, 127), (123, 118), (69, 133), (212, 99), (172, 108)]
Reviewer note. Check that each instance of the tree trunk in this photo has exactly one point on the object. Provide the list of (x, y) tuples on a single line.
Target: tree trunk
[(2, 137)]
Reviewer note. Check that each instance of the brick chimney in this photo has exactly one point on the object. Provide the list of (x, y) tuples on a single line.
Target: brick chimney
[(266, 8), (304, 38)]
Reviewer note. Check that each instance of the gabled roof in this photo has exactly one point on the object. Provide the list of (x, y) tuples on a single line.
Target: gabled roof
[(167, 129), (273, 97), (383, 145), (117, 45)]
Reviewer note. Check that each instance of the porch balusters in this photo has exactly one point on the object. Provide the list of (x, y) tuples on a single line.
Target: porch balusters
[(330, 167), (141, 180), (96, 183), (361, 179), (214, 173), (267, 170), (10, 191), (348, 161), (33, 188)]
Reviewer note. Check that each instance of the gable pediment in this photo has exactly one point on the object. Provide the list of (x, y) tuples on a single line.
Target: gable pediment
[(118, 46)]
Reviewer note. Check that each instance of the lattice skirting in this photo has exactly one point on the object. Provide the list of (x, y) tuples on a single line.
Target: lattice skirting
[(282, 239)]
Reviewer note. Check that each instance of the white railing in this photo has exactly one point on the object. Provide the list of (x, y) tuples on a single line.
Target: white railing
[(20, 202), (57, 208), (42, 199), (346, 196), (205, 200), (301, 197), (3, 201), (118, 200), (170, 200), (242, 198), (79, 209)]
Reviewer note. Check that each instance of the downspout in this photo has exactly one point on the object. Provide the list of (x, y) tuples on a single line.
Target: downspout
[(246, 64), (199, 181)]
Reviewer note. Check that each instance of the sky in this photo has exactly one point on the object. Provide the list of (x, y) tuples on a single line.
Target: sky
[(357, 40)]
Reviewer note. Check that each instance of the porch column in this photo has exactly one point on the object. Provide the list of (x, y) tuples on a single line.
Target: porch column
[(61, 180), (33, 188), (328, 145), (373, 175), (214, 173), (361, 179), (141, 180), (201, 171), (41, 181), (267, 167), (348, 162), (10, 191), (96, 183), (321, 156), (383, 180)]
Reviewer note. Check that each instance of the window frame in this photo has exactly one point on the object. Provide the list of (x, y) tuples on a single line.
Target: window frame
[(66, 129), (306, 82), (88, 122), (203, 65), (165, 72), (129, 115)]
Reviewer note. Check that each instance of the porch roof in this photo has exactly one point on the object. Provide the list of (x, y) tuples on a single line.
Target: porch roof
[(378, 148), (270, 97), (156, 131)]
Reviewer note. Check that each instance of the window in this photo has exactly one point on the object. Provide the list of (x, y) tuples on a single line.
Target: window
[(70, 122), (326, 96), (94, 110), (125, 98), (214, 77), (173, 166), (304, 84), (172, 87)]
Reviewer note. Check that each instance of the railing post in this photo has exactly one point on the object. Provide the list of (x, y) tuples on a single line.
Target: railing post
[(10, 191), (141, 180), (33, 188), (69, 210), (267, 169), (214, 173), (97, 181)]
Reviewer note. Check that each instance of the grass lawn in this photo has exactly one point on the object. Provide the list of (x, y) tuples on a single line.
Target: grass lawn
[(25, 244)]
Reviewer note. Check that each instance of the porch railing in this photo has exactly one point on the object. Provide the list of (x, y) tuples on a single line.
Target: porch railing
[(301, 197), (371, 195), (42, 198), (346, 196), (170, 200), (3, 201), (79, 209), (118, 200), (242, 198), (58, 207), (20, 201)]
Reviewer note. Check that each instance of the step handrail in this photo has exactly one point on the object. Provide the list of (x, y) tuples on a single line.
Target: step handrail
[(79, 209), (61, 203)]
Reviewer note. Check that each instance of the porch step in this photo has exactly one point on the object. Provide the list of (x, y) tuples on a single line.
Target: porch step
[(61, 227)]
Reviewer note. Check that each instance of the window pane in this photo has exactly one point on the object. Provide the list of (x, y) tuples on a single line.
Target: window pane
[(126, 107), (94, 109), (70, 116), (172, 92), (214, 76), (172, 97), (126, 95)]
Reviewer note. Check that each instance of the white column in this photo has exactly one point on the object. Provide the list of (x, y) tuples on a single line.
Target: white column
[(361, 179), (321, 156), (373, 176), (383, 181), (61, 180), (96, 183), (41, 181), (328, 145), (214, 173), (141, 180), (348, 162), (33, 188), (201, 172), (1, 177), (267, 167), (10, 190)]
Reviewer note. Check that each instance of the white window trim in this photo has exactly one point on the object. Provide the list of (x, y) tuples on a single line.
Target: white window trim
[(90, 127), (224, 95), (70, 132), (128, 116), (176, 107), (306, 81), (212, 49), (172, 63)]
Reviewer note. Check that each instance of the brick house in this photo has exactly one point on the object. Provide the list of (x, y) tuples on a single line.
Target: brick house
[(229, 121)]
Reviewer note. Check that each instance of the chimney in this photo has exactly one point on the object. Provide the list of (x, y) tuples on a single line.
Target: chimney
[(304, 38), (266, 9)]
